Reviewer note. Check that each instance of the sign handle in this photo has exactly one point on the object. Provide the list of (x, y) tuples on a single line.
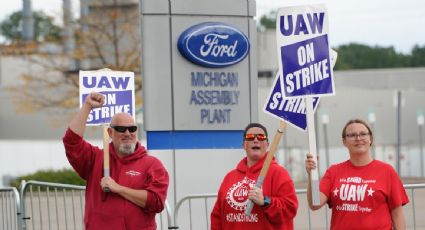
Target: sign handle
[(266, 164), (313, 150), (106, 170)]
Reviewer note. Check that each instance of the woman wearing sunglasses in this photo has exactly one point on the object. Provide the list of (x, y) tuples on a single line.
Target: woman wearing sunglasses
[(275, 203), (363, 193), (138, 182)]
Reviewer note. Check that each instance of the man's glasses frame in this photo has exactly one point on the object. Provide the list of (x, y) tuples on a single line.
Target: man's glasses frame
[(122, 129), (252, 136)]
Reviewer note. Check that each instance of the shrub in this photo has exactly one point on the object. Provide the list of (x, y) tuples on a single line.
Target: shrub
[(63, 176)]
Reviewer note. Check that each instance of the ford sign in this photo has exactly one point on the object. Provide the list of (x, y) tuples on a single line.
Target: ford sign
[(213, 44)]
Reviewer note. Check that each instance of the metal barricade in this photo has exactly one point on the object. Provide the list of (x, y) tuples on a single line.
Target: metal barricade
[(189, 198), (47, 206), (10, 211), (415, 206), (56, 206), (315, 220), (43, 205)]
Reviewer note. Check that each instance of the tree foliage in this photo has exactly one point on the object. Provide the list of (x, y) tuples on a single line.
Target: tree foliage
[(418, 56), (358, 56), (107, 38), (63, 176), (44, 27), (268, 21)]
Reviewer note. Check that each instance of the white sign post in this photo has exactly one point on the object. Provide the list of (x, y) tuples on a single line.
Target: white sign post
[(305, 64), (118, 89)]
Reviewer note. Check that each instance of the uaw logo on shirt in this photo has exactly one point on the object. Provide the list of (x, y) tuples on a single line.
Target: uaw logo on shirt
[(237, 196), (132, 173), (353, 190)]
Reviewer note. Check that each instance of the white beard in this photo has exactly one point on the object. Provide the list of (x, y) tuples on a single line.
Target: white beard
[(127, 149)]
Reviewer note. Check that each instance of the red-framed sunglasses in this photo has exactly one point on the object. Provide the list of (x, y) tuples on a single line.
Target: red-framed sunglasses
[(259, 136)]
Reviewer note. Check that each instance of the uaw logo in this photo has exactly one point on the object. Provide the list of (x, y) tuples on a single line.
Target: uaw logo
[(237, 196), (213, 44), (132, 173)]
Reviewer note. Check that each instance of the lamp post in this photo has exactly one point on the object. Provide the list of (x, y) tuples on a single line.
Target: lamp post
[(372, 119), (420, 119), (325, 122), (398, 129)]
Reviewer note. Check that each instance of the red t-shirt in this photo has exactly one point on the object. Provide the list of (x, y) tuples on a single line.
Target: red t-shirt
[(362, 197), (229, 209)]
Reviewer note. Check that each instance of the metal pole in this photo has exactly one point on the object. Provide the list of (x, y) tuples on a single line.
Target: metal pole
[(372, 126), (83, 63), (325, 121), (27, 21), (325, 133), (421, 151), (372, 119), (174, 178), (398, 131)]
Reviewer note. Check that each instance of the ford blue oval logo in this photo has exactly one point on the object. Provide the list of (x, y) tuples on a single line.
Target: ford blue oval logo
[(213, 44)]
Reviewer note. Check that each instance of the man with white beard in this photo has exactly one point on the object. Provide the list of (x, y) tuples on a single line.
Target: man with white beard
[(138, 182)]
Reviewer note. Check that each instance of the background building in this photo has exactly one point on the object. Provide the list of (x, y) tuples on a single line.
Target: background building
[(390, 99)]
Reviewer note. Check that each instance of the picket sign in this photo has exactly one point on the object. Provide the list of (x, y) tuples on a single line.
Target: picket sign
[(118, 89), (305, 65), (291, 110)]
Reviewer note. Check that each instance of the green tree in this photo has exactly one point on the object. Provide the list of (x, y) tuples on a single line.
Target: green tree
[(44, 27), (359, 56), (63, 176), (268, 21), (418, 56)]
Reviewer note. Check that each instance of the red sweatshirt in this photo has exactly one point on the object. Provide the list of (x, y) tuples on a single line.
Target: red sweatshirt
[(138, 171), (229, 209)]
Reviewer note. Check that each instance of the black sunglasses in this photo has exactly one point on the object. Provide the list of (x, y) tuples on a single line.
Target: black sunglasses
[(122, 129)]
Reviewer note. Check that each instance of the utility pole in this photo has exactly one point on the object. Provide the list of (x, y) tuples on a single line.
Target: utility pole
[(420, 120)]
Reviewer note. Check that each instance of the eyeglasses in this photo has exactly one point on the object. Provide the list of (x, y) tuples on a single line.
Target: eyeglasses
[(259, 136), (122, 129), (354, 136)]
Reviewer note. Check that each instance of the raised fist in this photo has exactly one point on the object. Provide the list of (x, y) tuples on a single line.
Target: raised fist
[(95, 99)]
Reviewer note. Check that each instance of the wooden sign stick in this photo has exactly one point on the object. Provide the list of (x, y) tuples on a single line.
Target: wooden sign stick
[(267, 163), (106, 171)]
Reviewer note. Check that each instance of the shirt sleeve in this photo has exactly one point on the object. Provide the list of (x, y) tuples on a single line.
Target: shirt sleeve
[(397, 194), (284, 202), (157, 186), (80, 153)]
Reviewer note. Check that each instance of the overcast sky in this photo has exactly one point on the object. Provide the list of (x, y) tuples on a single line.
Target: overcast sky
[(372, 22)]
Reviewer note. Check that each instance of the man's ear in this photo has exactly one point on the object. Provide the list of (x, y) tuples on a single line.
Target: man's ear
[(110, 132)]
